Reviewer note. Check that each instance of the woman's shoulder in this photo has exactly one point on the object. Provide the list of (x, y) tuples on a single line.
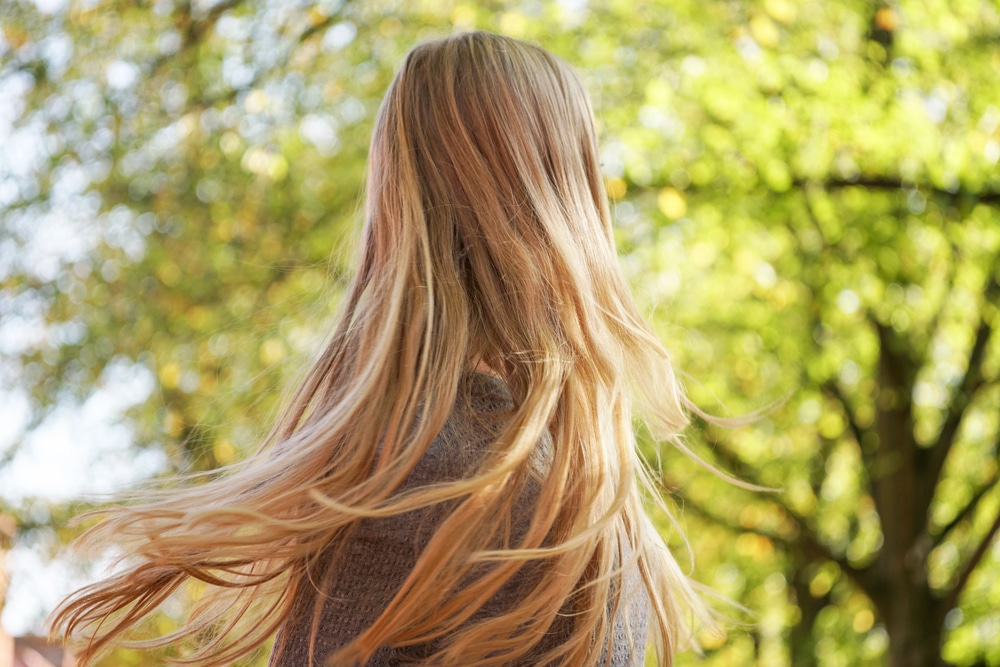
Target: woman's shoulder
[(482, 407), (482, 394)]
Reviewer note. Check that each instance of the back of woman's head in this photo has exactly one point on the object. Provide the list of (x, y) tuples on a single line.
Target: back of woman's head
[(484, 187)]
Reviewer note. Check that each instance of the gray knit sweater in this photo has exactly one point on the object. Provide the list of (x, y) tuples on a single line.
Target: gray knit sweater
[(380, 553)]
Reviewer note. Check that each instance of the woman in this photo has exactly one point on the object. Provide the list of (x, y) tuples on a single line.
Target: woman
[(456, 480)]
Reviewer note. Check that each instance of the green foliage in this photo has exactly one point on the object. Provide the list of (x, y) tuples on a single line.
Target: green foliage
[(806, 201)]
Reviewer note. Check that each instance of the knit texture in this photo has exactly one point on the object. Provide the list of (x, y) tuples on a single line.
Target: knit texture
[(377, 556)]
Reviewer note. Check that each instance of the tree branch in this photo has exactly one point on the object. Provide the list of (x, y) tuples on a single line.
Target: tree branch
[(883, 183), (961, 399), (807, 540), (935, 322), (803, 539), (191, 29), (816, 549), (966, 511), (258, 75), (325, 22), (970, 565), (728, 522), (213, 15), (832, 389), (889, 183)]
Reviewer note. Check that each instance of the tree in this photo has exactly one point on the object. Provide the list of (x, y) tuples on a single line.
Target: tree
[(806, 199), (841, 202)]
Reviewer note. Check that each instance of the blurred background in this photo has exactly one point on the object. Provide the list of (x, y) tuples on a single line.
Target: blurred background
[(805, 197)]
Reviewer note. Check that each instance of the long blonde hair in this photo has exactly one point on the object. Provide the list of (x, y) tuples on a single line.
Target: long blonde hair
[(487, 241)]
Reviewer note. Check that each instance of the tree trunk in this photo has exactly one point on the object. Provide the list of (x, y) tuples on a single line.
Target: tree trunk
[(913, 627), (802, 643), (898, 577)]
